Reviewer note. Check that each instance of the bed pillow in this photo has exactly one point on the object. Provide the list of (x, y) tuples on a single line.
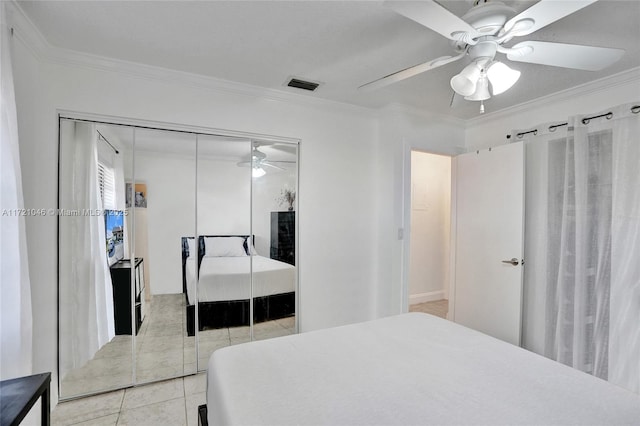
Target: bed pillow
[(224, 247)]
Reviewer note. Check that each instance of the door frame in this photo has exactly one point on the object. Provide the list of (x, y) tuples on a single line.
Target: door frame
[(405, 230)]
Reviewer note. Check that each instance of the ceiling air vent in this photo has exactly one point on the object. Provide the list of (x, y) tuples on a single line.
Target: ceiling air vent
[(302, 84)]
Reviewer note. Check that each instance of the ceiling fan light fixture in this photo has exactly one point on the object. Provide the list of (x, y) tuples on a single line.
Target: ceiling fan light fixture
[(502, 77), (465, 83), (482, 90), (257, 172)]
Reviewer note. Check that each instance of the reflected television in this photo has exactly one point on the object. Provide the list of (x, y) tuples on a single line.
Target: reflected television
[(114, 233)]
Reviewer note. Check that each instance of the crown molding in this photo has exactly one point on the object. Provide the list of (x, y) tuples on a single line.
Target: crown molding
[(600, 85), (26, 32), (29, 34)]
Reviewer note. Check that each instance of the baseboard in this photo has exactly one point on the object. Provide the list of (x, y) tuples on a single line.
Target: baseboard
[(426, 297)]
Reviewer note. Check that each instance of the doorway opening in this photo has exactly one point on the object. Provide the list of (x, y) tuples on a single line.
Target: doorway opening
[(430, 233)]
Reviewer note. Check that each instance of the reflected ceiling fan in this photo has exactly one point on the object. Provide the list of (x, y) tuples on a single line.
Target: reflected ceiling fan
[(259, 160), (481, 34)]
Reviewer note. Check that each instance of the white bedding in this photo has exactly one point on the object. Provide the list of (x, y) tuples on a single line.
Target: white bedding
[(227, 278), (404, 370)]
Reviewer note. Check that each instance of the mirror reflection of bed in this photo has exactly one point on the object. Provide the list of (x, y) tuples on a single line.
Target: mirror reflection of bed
[(230, 273), (241, 184)]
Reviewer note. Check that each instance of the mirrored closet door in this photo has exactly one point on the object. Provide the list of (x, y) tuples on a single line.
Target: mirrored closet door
[(172, 244), (246, 224), (96, 346), (224, 225), (273, 220), (163, 205)]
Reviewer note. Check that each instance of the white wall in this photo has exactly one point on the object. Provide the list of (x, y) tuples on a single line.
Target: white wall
[(170, 214), (430, 227)]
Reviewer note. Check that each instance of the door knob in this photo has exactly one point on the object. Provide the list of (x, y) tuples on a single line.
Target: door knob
[(513, 261)]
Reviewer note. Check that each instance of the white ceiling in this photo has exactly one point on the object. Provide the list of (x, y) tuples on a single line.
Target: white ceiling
[(342, 44)]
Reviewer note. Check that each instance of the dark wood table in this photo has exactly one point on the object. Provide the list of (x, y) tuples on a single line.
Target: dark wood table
[(17, 396)]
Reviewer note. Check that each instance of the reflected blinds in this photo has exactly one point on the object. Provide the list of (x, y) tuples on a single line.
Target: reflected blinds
[(107, 184)]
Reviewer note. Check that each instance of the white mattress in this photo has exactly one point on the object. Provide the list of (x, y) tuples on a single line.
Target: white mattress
[(228, 278), (404, 370)]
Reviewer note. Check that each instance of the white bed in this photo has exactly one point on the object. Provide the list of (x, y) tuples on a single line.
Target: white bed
[(403, 370), (227, 278)]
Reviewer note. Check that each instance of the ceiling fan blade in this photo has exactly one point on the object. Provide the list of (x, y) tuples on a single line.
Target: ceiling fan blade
[(431, 15), (267, 163), (409, 72), (244, 163), (542, 14), (588, 58)]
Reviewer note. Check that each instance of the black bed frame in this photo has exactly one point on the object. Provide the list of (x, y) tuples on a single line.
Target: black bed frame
[(202, 415), (231, 313)]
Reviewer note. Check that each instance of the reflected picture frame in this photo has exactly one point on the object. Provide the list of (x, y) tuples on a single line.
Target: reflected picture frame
[(136, 195)]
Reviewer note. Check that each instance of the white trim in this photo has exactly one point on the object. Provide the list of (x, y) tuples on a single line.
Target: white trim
[(405, 250), (431, 296), (451, 296), (407, 299)]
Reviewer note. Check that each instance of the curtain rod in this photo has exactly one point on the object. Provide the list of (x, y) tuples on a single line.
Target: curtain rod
[(634, 109), (108, 143)]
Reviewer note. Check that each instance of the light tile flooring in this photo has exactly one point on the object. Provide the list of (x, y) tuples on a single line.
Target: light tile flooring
[(172, 403), (438, 308), (163, 349)]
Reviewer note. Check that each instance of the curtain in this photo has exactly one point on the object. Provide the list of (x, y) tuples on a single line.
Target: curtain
[(15, 287), (86, 300), (624, 337), (582, 239)]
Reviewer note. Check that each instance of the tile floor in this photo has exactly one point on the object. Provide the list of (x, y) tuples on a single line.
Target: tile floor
[(438, 308), (172, 403), (163, 349)]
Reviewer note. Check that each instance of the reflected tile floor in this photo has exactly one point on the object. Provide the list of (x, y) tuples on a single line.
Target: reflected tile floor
[(439, 308), (172, 403), (163, 349)]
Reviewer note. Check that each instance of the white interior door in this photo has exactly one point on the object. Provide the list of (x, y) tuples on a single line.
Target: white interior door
[(489, 233)]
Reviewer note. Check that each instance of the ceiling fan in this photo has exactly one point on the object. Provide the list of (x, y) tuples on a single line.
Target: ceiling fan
[(483, 32), (258, 160)]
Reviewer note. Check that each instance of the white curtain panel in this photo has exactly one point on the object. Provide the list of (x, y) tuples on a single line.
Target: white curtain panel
[(582, 242), (15, 288), (536, 231), (624, 337), (86, 300)]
